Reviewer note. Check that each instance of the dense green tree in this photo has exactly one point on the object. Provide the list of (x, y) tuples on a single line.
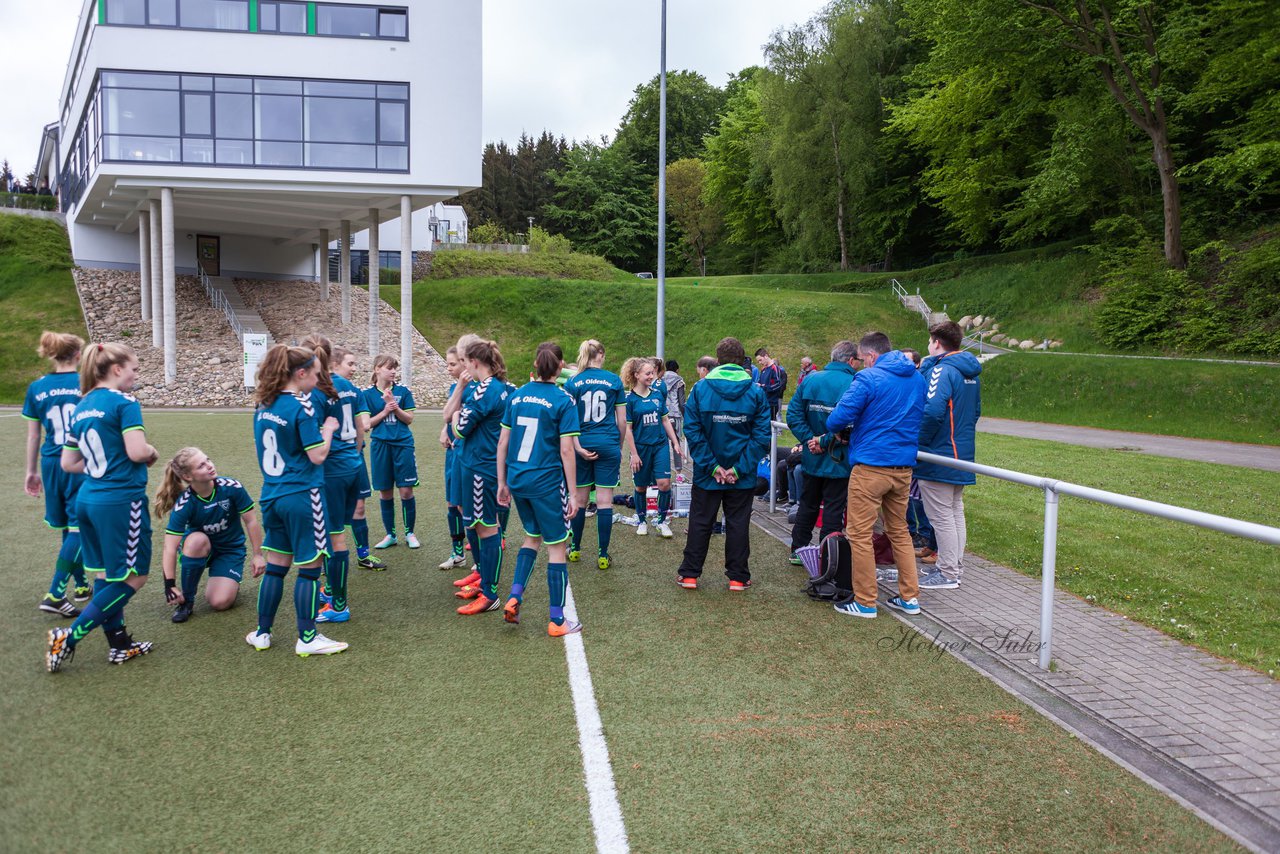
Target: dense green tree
[(693, 108), (605, 205), (695, 216)]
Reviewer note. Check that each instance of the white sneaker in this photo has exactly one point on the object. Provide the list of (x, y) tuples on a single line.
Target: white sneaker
[(386, 542), (642, 529), (453, 562), (665, 530), (320, 645), (412, 541), (258, 641)]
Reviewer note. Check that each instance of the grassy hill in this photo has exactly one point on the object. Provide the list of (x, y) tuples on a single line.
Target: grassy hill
[(36, 293)]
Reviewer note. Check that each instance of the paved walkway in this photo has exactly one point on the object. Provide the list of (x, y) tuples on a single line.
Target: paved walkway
[(1266, 457), (1201, 729)]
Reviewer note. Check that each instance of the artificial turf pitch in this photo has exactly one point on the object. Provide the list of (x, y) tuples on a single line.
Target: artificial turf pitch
[(755, 721)]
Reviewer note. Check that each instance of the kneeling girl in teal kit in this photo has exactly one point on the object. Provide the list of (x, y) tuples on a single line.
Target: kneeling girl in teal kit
[(209, 518), (107, 442), (292, 444), (536, 463)]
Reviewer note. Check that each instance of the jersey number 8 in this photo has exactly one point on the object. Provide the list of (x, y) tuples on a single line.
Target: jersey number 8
[(272, 462)]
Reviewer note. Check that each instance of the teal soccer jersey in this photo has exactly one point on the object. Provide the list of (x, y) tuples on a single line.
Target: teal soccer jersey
[(52, 400), (389, 429), (645, 415), (217, 516), (97, 431), (480, 422), (344, 456), (283, 432), (598, 393), (537, 415)]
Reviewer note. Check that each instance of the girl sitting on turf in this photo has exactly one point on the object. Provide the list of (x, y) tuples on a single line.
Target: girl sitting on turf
[(536, 462), (209, 517), (50, 402), (292, 444), (107, 442), (391, 451), (602, 415), (650, 439)]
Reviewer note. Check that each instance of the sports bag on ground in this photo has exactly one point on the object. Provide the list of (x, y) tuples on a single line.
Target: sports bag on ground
[(835, 579)]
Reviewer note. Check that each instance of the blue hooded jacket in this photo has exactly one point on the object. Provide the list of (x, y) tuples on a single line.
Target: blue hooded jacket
[(726, 421), (807, 413), (882, 408), (952, 404)]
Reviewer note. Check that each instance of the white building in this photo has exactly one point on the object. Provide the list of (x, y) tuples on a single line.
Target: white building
[(254, 133)]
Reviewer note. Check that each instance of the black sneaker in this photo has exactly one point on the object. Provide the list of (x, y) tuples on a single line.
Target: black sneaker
[(127, 650), (182, 613), (61, 607), (371, 562)]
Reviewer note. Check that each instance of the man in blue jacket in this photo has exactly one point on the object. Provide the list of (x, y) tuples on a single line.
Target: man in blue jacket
[(726, 423), (882, 410), (825, 458), (953, 402), (772, 378)]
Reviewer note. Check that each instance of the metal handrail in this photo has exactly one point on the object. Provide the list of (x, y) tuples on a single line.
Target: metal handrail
[(1052, 489), (219, 301)]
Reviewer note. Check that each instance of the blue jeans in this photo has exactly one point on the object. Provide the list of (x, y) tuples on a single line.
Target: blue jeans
[(795, 483)]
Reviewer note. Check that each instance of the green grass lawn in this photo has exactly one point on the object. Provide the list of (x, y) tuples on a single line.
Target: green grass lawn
[(1214, 590), (1201, 400), (36, 293), (754, 722)]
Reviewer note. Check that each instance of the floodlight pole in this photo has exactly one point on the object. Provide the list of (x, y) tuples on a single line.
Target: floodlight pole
[(662, 191)]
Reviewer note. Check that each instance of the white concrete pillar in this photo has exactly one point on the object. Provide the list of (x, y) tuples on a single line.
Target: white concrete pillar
[(375, 295), (144, 263), (324, 264), (156, 286), (170, 289), (406, 289), (344, 237)]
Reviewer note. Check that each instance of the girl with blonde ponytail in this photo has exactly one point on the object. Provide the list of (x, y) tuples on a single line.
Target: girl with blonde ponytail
[(392, 461), (49, 404), (209, 517), (601, 402)]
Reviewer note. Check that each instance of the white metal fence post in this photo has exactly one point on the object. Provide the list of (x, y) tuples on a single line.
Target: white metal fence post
[(1046, 575), (773, 466)]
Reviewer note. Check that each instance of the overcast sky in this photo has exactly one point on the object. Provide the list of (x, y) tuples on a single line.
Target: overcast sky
[(568, 66)]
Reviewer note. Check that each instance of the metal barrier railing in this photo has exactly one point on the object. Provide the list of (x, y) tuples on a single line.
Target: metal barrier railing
[(219, 301), (1052, 489)]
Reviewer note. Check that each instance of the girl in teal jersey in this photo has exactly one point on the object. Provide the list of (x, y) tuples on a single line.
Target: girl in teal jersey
[(536, 463), (602, 414), (107, 442), (391, 450), (344, 365), (50, 403), (651, 440)]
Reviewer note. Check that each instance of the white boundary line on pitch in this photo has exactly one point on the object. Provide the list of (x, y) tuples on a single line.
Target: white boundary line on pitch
[(606, 813)]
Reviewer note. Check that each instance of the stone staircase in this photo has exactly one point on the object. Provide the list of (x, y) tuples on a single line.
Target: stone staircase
[(224, 296), (915, 302)]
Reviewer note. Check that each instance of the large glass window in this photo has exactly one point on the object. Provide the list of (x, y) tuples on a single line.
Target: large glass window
[(132, 12), (360, 21), (246, 121), (282, 17), (393, 24), (214, 14), (162, 13)]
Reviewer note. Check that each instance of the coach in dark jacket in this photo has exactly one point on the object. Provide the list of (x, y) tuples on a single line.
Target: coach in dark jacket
[(953, 403), (825, 458), (726, 423)]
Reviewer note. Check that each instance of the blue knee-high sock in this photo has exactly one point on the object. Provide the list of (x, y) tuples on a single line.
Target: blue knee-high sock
[(490, 565), (664, 504), (642, 503), (192, 568), (576, 525), (388, 506), (306, 602), (67, 565), (474, 539), (109, 599), (360, 530), (604, 527), (525, 559), (504, 514), (337, 572), (409, 507), (456, 530), (558, 584), (270, 592)]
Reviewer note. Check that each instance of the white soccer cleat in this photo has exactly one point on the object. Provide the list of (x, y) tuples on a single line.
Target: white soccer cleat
[(642, 530), (453, 562), (411, 540), (258, 640), (665, 530), (319, 645), (386, 542)]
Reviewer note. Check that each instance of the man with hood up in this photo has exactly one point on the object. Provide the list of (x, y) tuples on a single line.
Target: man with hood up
[(726, 423), (881, 409), (953, 402)]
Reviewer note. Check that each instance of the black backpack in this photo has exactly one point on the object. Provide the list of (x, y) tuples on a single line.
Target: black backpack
[(835, 577)]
